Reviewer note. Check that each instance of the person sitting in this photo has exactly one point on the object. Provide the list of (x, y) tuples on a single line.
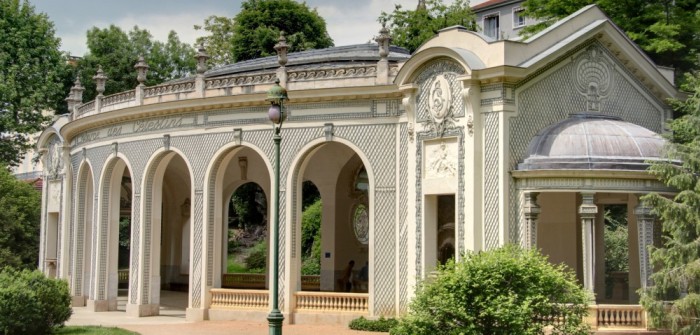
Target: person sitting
[(346, 279)]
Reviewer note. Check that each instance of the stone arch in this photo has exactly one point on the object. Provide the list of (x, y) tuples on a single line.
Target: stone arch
[(217, 192), (301, 164), (84, 229), (146, 301), (106, 241)]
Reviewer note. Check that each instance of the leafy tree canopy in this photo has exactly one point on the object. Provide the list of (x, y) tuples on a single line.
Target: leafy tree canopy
[(254, 31), (411, 28), (501, 291), (674, 298), (118, 51), (30, 76), (19, 222), (665, 29)]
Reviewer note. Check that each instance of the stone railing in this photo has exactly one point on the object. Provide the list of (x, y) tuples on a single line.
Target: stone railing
[(163, 89), (239, 80), (618, 316), (86, 108), (328, 73), (332, 302), (310, 283), (243, 280), (123, 276), (239, 299), (119, 98)]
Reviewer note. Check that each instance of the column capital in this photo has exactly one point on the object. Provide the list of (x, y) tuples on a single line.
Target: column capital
[(588, 208), (531, 208)]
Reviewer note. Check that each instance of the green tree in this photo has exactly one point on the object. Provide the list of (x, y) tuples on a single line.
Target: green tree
[(19, 222), (118, 51), (30, 80), (219, 40), (411, 28), (311, 239), (674, 298), (665, 29), (254, 31), (501, 291)]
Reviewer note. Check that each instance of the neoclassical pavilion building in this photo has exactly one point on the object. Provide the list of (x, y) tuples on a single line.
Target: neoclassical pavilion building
[(468, 144)]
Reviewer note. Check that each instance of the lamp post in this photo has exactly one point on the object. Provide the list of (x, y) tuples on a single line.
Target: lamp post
[(277, 95)]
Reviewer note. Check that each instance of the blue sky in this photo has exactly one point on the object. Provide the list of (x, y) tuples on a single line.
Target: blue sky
[(348, 21)]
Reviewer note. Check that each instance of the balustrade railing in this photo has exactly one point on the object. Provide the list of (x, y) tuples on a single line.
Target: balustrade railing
[(180, 87), (240, 80), (619, 316), (114, 99), (86, 108), (239, 299), (123, 276), (332, 302)]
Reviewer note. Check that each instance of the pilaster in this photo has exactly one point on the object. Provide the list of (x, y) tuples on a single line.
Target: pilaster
[(531, 211), (645, 235), (587, 212)]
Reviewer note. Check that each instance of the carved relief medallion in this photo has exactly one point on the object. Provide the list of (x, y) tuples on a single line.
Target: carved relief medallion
[(360, 223), (593, 78), (440, 98)]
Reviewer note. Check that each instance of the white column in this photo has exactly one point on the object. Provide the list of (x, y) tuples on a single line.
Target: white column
[(588, 211), (532, 212), (645, 233)]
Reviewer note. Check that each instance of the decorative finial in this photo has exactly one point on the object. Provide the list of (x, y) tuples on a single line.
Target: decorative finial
[(421, 5), (383, 39), (281, 47), (100, 80), (142, 69), (202, 58)]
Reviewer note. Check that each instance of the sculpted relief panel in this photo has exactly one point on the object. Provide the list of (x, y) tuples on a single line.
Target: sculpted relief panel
[(441, 159), (439, 99)]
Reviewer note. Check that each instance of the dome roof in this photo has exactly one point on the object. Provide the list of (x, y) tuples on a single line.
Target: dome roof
[(593, 142)]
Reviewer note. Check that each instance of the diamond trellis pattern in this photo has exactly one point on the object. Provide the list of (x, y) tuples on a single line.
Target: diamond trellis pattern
[(384, 252), (79, 235), (403, 217), (491, 189)]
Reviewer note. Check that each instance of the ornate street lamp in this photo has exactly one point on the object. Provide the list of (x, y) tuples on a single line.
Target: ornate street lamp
[(277, 95)]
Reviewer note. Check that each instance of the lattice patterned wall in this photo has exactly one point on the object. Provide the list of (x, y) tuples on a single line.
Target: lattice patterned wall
[(403, 217), (552, 95), (491, 175)]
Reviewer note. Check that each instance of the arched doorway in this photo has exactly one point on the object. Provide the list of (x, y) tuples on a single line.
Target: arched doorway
[(343, 184), (84, 228)]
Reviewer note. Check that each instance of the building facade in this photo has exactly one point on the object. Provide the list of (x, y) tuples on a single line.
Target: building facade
[(466, 145)]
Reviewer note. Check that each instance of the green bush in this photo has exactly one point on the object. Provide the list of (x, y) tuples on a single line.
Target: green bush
[(502, 291), (255, 262), (380, 325), (30, 303)]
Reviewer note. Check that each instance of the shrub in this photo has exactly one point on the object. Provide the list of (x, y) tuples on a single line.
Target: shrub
[(30, 303), (502, 291), (380, 325), (255, 262)]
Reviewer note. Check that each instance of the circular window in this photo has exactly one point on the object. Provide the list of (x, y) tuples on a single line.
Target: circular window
[(360, 223)]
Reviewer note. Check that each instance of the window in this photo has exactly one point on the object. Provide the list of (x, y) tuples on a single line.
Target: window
[(491, 26), (518, 17)]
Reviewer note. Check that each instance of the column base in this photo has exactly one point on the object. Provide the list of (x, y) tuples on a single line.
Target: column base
[(196, 314), (138, 311), (101, 305), (77, 301)]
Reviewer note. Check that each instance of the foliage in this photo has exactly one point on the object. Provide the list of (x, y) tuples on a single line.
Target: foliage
[(254, 31), (30, 76), (124, 242), (93, 330), (379, 325), (19, 222), (311, 239), (615, 239), (118, 51), (501, 291), (674, 298), (218, 41), (256, 260), (665, 29), (30, 303), (411, 28), (249, 206)]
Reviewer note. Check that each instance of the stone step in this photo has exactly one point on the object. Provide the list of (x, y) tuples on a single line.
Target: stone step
[(618, 331)]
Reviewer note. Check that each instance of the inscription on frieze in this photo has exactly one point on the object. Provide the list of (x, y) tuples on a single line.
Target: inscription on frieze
[(136, 127), (157, 124)]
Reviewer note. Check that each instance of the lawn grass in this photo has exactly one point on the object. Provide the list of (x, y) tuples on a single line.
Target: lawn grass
[(93, 330)]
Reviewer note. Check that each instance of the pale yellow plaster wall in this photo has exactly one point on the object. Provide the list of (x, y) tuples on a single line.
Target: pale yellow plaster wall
[(557, 228)]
